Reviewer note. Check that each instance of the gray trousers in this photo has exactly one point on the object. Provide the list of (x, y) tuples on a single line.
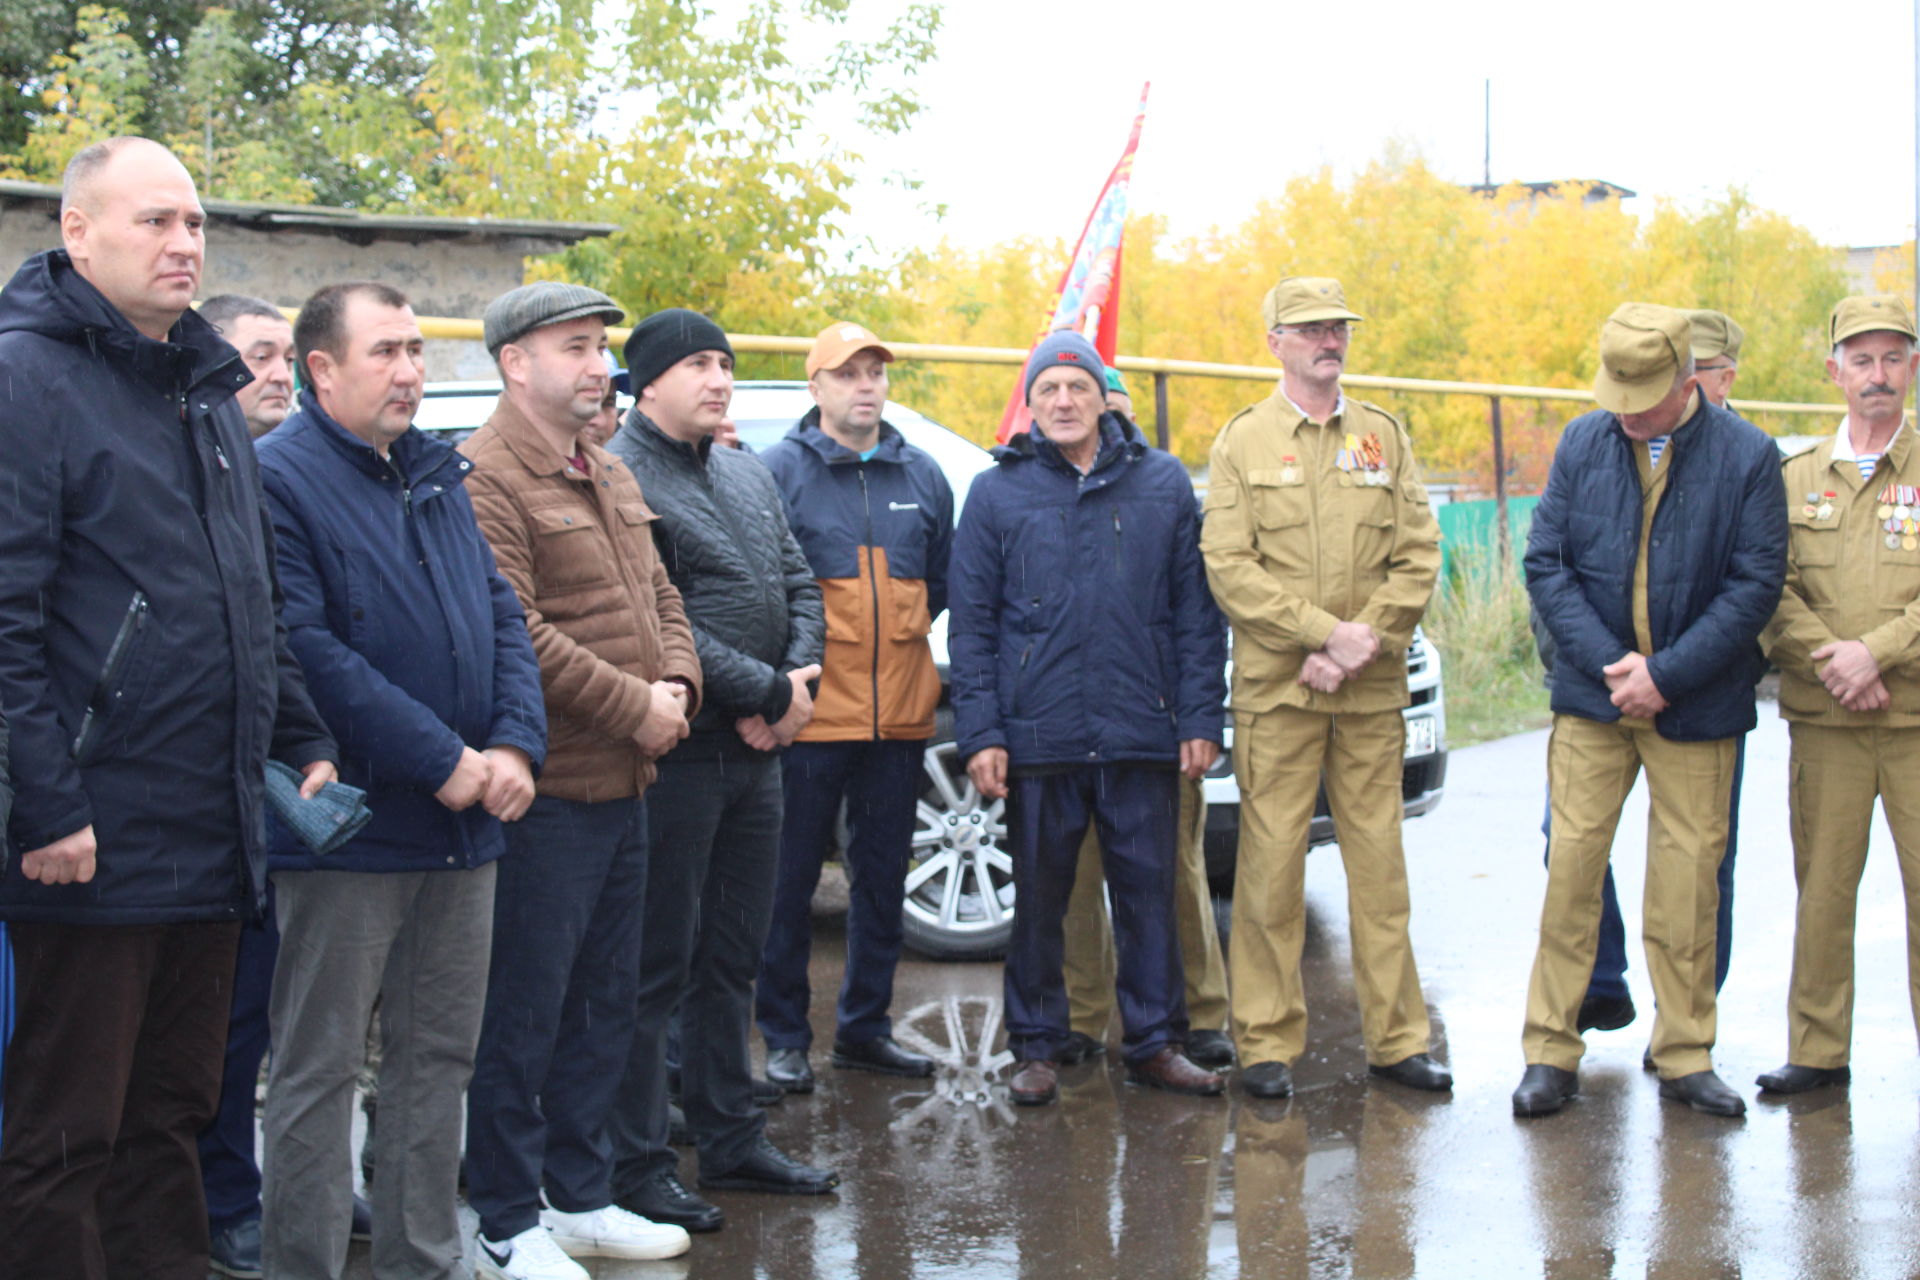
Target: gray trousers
[(420, 941)]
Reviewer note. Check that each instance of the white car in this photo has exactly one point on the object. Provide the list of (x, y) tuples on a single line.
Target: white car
[(959, 902)]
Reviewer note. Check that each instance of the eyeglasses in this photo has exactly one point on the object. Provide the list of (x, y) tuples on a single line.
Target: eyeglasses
[(1711, 368), (1317, 332)]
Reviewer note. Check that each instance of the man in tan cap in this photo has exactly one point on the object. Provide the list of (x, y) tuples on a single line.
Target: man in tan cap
[(874, 516), (1716, 353), (1322, 551), (1655, 608), (1846, 638)]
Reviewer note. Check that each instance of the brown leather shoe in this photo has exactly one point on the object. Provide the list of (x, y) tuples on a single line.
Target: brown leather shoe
[(1169, 1069), (1035, 1083)]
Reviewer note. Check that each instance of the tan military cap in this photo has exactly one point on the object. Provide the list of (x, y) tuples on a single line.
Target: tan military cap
[(1304, 300), (1642, 348), (838, 342), (1715, 335), (1864, 313)]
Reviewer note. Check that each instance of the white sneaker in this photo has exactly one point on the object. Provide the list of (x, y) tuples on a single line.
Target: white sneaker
[(531, 1255), (613, 1232)]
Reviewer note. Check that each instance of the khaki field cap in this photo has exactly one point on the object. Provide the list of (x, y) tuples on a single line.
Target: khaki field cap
[(1715, 335), (1642, 347), (839, 341), (1865, 313), (1304, 300)]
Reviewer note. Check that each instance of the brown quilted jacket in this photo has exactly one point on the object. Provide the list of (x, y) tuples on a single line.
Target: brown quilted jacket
[(605, 620)]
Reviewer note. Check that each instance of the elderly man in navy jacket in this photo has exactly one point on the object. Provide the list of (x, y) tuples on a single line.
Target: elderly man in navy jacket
[(1088, 665), (418, 655), (1657, 555), (146, 682)]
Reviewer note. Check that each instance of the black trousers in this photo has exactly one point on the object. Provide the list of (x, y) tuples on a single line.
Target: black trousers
[(715, 833), (113, 1071)]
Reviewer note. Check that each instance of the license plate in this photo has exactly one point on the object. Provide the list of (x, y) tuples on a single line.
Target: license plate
[(1423, 736)]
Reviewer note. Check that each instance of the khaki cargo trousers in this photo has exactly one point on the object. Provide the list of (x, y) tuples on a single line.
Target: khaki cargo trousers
[(1089, 952), (1279, 757), (1835, 773), (1591, 766)]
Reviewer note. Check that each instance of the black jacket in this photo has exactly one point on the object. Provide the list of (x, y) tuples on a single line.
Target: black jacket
[(743, 580), (1714, 569), (144, 674)]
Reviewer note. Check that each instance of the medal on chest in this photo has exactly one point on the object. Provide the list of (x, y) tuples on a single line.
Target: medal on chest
[(1364, 458), (1899, 512)]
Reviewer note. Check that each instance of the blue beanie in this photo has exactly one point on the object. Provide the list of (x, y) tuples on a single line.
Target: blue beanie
[(1064, 347)]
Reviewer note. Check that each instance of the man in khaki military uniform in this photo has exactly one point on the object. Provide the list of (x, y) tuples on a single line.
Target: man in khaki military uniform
[(1322, 552), (1847, 641), (1655, 558)]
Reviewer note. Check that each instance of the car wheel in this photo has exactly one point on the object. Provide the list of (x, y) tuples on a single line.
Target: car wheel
[(959, 899)]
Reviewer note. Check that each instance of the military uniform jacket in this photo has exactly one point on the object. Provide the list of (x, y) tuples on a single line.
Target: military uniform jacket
[(1303, 531), (1850, 577)]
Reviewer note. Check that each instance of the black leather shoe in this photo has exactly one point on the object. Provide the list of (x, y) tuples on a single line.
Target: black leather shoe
[(883, 1055), (1605, 1013), (768, 1168), (1544, 1090), (1417, 1072), (362, 1228), (1704, 1091), (788, 1068), (767, 1094), (1797, 1079), (1210, 1049), (1267, 1080), (236, 1251), (664, 1198), (1077, 1048)]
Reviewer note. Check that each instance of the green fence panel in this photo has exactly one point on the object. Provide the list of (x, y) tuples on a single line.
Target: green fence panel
[(1467, 528)]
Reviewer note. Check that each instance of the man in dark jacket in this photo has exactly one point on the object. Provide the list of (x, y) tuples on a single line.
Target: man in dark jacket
[(145, 680), (568, 527), (1657, 555), (417, 654), (758, 627), (875, 517), (1088, 664)]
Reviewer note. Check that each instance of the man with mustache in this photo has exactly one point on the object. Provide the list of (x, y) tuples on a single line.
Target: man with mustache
[(1322, 551), (1847, 640), (264, 339), (1655, 559), (416, 651)]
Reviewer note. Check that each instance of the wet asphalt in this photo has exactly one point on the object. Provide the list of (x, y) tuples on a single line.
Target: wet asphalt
[(1357, 1177)]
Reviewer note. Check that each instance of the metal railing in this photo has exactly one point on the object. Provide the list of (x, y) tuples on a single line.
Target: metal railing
[(1163, 371)]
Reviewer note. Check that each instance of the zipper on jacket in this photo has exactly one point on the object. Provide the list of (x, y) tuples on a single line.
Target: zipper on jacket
[(873, 585), (103, 692)]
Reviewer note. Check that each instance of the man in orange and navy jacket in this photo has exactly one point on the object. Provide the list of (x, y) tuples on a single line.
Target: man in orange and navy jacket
[(875, 518)]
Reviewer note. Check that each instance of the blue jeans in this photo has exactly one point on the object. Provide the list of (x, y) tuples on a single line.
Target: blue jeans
[(1609, 981)]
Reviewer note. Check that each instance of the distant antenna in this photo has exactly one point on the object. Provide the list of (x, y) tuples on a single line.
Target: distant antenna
[(1486, 159)]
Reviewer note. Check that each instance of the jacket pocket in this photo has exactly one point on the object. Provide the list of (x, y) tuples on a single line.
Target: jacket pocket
[(570, 553), (109, 691), (907, 609)]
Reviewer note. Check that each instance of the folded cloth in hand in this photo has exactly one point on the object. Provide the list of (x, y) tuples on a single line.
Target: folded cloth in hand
[(326, 821)]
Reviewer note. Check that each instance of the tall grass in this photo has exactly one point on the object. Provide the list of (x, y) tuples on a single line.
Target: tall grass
[(1478, 619)]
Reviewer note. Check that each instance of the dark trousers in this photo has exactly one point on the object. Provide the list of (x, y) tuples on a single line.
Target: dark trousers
[(567, 927), (113, 1069), (881, 783), (1609, 981), (1135, 812), (716, 833), (228, 1168)]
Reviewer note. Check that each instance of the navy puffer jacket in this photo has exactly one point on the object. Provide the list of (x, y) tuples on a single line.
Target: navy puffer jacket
[(1717, 559), (1081, 630)]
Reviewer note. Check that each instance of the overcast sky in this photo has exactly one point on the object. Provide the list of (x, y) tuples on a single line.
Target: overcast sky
[(1809, 107)]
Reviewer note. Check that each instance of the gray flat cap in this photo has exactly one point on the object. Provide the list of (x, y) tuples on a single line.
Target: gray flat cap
[(519, 312)]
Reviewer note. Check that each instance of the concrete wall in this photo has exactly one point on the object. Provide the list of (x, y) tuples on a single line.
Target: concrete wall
[(443, 275)]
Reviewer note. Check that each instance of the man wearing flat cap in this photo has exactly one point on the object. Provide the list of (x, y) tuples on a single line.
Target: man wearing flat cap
[(1656, 557), (1087, 677), (1609, 1005), (1847, 641), (568, 526), (875, 518), (1322, 550)]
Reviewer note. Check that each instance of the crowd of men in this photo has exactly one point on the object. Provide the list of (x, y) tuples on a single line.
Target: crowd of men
[(606, 685)]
